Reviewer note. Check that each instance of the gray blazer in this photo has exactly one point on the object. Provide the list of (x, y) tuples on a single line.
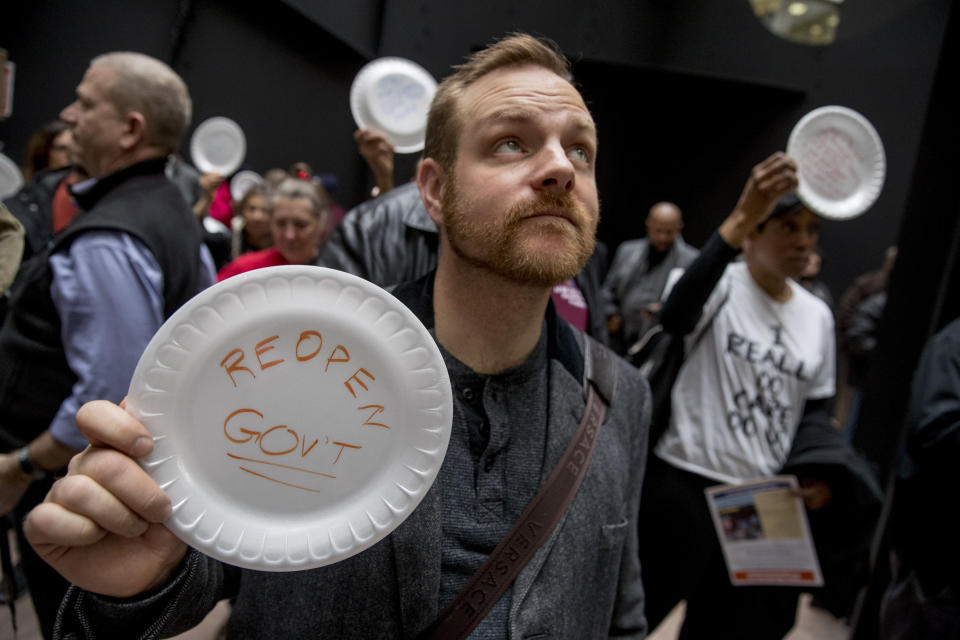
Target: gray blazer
[(583, 583)]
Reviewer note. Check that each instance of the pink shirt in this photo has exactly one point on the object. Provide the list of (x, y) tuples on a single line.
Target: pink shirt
[(571, 305), (220, 208)]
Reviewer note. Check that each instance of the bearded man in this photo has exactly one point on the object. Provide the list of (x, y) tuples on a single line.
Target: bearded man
[(508, 177)]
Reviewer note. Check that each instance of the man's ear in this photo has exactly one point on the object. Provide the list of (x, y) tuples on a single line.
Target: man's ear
[(431, 179), (135, 130)]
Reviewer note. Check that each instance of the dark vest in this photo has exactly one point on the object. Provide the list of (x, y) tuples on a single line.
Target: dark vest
[(34, 375)]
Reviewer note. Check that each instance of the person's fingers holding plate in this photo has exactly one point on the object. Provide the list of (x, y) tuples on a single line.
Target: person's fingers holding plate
[(86, 500), (121, 476), (105, 424)]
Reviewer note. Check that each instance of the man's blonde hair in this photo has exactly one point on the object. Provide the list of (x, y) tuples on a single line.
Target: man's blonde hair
[(444, 122)]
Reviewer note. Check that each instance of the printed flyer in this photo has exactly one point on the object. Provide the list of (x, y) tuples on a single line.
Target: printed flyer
[(764, 533)]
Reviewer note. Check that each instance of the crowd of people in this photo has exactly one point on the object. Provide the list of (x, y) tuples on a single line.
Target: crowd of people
[(492, 245)]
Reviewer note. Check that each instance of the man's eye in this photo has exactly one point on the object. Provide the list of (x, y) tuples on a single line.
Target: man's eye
[(580, 154), (508, 146)]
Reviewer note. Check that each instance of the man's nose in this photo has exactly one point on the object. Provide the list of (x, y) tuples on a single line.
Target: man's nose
[(67, 114), (555, 171)]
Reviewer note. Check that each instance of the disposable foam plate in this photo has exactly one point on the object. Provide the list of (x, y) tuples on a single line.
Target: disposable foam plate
[(841, 162), (218, 146), (241, 183), (11, 180), (393, 95), (299, 415)]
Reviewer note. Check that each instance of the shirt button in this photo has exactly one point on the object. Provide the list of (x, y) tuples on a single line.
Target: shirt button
[(467, 394)]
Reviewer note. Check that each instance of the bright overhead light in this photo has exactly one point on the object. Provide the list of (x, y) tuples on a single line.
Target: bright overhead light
[(806, 21)]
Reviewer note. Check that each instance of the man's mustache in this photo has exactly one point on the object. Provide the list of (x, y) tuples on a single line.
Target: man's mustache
[(557, 203)]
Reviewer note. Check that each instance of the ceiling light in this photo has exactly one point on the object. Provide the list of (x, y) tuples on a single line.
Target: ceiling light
[(805, 21)]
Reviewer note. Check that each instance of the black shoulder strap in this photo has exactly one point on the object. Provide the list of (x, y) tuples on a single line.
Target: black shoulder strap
[(541, 515), (599, 367)]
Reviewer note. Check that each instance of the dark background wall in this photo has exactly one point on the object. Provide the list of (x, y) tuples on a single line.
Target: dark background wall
[(688, 94)]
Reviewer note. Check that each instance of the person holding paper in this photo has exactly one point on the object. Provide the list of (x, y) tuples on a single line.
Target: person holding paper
[(762, 368), (508, 178)]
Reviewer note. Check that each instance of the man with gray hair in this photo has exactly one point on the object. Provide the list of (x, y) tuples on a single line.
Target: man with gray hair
[(83, 309)]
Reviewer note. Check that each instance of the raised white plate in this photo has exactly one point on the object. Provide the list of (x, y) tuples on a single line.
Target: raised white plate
[(393, 95), (218, 146), (840, 160), (242, 181), (299, 415), (11, 180)]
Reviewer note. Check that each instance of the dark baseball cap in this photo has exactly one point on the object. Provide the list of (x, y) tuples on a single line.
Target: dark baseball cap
[(787, 205)]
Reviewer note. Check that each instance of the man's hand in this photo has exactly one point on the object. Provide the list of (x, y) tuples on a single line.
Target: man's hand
[(13, 482), (652, 309), (377, 150), (769, 181), (100, 526), (815, 494), (209, 183), (614, 323)]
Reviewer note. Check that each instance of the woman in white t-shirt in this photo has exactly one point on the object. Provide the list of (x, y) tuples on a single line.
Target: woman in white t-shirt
[(760, 357)]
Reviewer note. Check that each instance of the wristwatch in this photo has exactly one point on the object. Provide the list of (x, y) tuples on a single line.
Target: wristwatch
[(28, 466)]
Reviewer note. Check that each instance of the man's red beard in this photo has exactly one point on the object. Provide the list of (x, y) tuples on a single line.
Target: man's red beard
[(498, 244)]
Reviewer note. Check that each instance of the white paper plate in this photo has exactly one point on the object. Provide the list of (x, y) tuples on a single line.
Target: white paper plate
[(242, 181), (840, 160), (356, 411), (11, 180), (393, 95), (218, 146)]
